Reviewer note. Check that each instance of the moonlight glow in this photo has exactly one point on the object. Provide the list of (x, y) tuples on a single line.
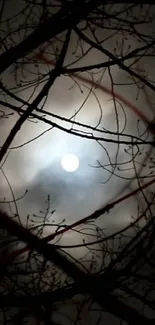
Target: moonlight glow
[(70, 162)]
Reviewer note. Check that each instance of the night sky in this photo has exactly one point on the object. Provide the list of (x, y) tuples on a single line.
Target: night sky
[(105, 171)]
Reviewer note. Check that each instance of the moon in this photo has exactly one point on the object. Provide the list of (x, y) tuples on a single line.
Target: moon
[(70, 163)]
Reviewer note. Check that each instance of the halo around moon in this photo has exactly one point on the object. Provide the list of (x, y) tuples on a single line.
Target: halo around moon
[(70, 163)]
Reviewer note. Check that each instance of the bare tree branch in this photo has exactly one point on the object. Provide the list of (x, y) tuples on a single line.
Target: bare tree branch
[(52, 76), (72, 13)]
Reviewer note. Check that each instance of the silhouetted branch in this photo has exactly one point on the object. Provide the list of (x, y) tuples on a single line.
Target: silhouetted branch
[(71, 13)]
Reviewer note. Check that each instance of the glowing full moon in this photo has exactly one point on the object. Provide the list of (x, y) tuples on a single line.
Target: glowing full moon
[(70, 162)]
